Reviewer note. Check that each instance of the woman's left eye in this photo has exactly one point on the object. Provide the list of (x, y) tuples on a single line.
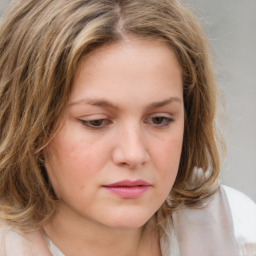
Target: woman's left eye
[(159, 121)]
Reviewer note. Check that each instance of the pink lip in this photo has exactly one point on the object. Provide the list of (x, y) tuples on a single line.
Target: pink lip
[(128, 189)]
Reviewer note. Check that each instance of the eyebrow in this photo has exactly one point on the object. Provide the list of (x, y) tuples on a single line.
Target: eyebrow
[(95, 102), (106, 104), (164, 102)]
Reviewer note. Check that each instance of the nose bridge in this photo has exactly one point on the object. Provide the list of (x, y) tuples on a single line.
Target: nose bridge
[(133, 137), (131, 149)]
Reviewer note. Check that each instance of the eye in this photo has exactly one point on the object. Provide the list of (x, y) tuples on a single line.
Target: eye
[(96, 123), (159, 121)]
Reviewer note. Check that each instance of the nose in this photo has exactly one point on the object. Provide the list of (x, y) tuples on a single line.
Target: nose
[(130, 148)]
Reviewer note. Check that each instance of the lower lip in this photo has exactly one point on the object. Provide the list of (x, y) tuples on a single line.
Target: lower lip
[(128, 192)]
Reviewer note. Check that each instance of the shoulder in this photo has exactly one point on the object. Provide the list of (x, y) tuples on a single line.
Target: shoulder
[(13, 243), (10, 241), (225, 225), (243, 211)]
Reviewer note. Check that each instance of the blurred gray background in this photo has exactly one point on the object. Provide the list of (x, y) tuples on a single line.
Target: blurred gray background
[(231, 28)]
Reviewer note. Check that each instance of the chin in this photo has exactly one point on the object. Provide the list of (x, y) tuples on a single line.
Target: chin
[(130, 221)]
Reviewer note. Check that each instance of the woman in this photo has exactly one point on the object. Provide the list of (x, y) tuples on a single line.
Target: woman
[(108, 143)]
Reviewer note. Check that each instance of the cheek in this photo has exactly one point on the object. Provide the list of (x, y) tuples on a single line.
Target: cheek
[(169, 152), (167, 159), (73, 163), (166, 163), (75, 154), (172, 151)]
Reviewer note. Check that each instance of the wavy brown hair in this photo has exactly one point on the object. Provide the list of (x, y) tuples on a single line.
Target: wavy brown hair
[(41, 45)]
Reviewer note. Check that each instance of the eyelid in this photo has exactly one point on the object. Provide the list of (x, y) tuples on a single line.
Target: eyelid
[(93, 117), (95, 121), (161, 114)]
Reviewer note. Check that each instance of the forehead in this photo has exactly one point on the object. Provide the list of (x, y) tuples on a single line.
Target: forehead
[(131, 50), (130, 68)]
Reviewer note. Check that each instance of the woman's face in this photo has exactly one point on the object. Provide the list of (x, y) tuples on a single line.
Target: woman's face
[(116, 157)]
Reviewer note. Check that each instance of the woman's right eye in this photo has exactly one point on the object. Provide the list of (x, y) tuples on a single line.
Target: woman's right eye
[(96, 123)]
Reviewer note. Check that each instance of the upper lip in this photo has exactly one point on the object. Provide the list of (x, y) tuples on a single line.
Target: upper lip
[(128, 183)]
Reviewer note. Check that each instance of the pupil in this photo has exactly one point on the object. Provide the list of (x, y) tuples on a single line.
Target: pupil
[(97, 122), (158, 120)]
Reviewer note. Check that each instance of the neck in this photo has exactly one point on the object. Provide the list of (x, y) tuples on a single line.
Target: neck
[(82, 237)]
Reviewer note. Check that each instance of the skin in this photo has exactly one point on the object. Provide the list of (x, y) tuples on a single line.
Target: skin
[(124, 121)]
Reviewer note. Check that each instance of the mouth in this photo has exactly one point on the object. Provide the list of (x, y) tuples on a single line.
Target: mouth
[(128, 189)]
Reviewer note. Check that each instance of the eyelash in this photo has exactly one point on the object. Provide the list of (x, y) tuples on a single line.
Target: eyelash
[(161, 122)]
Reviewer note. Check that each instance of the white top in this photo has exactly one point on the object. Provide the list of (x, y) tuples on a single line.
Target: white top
[(243, 211), (208, 231)]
